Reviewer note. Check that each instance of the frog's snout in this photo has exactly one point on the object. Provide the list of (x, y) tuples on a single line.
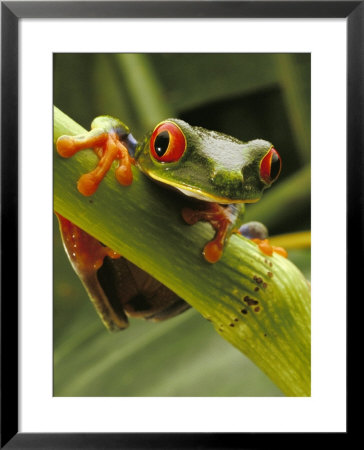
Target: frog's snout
[(222, 178), (230, 184)]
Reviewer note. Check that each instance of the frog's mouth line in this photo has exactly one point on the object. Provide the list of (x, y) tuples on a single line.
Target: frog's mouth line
[(198, 193)]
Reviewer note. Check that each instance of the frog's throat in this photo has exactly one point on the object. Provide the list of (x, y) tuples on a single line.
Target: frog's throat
[(197, 193)]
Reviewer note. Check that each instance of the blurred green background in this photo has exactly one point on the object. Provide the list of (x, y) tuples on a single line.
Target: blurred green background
[(245, 95)]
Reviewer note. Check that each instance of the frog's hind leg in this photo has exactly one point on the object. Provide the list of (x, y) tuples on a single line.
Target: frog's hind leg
[(174, 309), (86, 255), (108, 147), (221, 218), (258, 233)]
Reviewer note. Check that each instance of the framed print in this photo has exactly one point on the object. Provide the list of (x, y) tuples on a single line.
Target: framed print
[(281, 80)]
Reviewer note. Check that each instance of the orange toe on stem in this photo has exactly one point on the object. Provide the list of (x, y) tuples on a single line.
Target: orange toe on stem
[(281, 251), (268, 249), (65, 146), (87, 184), (212, 252), (264, 246), (123, 173)]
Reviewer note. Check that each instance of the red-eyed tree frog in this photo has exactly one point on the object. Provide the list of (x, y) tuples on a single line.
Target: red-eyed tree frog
[(218, 171)]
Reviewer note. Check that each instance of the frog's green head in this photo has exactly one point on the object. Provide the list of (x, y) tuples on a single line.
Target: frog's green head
[(207, 165)]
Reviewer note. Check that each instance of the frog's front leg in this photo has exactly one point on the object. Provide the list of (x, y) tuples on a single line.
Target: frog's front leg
[(222, 219), (111, 141)]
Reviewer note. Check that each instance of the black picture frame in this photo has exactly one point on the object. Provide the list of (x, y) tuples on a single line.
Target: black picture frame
[(11, 12)]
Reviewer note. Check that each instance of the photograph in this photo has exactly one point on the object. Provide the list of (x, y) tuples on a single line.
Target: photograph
[(182, 201)]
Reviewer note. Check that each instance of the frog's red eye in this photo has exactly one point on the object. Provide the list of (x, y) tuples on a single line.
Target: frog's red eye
[(167, 143), (270, 166)]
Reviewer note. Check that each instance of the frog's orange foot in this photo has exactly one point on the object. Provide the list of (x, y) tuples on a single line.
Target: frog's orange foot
[(108, 147), (268, 249), (220, 218)]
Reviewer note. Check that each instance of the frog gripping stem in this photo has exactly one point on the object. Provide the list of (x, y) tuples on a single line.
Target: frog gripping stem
[(108, 148), (219, 218)]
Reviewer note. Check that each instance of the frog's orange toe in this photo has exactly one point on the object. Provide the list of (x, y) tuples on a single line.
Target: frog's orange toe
[(281, 251), (268, 249), (65, 146), (264, 246), (87, 184), (124, 175), (212, 252)]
